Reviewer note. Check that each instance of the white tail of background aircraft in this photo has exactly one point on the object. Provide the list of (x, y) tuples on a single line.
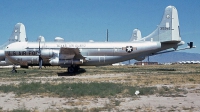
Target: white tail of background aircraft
[(18, 34), (136, 36), (40, 39)]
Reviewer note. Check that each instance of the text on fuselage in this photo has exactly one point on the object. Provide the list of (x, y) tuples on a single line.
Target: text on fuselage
[(71, 45), (21, 53)]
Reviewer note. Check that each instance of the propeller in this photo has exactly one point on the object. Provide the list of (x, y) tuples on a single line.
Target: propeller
[(40, 58)]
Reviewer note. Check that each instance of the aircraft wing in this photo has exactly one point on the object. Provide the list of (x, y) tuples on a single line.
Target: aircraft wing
[(70, 53)]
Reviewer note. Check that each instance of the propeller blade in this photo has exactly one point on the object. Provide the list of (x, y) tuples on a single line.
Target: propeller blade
[(40, 58), (40, 62)]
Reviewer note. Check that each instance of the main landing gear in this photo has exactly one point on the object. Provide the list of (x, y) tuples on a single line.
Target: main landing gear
[(73, 69)]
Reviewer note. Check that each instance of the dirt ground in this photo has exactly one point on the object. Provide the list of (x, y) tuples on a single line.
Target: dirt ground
[(189, 102)]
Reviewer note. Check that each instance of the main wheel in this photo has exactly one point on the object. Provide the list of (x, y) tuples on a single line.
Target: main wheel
[(76, 68), (71, 69)]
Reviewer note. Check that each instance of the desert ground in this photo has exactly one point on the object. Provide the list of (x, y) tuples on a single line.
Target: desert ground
[(107, 88)]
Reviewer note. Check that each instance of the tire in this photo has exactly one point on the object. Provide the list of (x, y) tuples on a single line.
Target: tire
[(71, 69)]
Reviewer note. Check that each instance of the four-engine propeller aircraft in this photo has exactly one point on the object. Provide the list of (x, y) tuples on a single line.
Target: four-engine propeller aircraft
[(72, 55)]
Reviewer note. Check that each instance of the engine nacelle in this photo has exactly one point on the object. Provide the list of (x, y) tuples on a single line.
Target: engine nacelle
[(46, 53), (54, 61)]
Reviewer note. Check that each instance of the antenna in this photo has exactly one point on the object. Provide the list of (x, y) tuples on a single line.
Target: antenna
[(107, 35)]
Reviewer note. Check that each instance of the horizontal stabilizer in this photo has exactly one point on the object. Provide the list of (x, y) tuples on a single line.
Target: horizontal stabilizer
[(190, 46)]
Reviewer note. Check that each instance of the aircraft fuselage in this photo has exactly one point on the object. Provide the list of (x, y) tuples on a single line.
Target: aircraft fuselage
[(94, 53)]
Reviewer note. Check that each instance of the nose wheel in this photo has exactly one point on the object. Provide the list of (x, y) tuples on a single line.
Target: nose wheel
[(14, 69)]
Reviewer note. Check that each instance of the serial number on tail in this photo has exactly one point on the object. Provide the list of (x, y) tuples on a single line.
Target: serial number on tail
[(165, 28)]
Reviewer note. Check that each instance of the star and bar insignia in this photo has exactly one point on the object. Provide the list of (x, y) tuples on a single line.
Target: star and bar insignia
[(129, 49)]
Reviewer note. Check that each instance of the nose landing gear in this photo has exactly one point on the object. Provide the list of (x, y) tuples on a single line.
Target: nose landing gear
[(14, 69)]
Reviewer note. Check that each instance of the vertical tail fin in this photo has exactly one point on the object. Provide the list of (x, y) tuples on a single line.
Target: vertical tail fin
[(168, 30), (136, 36), (18, 34)]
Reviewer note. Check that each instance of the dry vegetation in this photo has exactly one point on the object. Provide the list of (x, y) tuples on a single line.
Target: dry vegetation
[(107, 88)]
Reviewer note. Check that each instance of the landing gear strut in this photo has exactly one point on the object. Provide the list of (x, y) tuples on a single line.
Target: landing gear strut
[(14, 69), (73, 69)]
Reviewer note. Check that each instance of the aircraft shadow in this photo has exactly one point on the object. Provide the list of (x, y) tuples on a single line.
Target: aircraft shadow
[(80, 71)]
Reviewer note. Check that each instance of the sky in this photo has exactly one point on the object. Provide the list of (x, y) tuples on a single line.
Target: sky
[(84, 20)]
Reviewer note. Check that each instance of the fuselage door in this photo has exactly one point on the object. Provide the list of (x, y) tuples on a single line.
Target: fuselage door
[(102, 59)]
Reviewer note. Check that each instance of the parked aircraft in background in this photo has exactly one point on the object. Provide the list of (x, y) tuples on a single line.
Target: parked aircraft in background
[(136, 36), (40, 39), (18, 35), (72, 55), (189, 62)]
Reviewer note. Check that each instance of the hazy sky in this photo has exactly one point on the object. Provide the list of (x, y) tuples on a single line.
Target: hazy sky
[(84, 20)]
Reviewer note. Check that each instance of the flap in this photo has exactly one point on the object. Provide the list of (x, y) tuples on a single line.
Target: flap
[(70, 53)]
